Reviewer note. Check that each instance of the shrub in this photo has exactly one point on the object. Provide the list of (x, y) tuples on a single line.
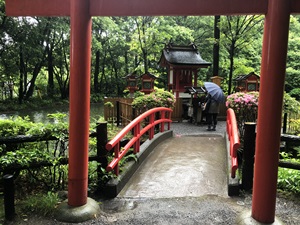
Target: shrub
[(24, 154), (245, 106), (295, 93), (290, 104), (289, 179), (15, 126), (158, 98)]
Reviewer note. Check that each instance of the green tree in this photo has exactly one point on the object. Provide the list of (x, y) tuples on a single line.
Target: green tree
[(202, 36), (292, 82), (238, 32), (109, 55), (58, 54)]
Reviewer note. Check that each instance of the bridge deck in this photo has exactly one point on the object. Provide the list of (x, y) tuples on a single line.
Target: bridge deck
[(192, 163)]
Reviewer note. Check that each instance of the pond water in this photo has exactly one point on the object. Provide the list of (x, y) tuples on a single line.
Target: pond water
[(37, 116)]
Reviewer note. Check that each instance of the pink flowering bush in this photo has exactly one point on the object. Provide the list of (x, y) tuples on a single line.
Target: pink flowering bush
[(245, 106)]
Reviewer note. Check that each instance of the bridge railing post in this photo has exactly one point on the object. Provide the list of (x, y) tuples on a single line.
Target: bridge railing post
[(118, 114), (101, 130), (9, 197), (248, 156)]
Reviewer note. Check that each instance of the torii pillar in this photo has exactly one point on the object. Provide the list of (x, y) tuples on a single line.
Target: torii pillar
[(273, 67)]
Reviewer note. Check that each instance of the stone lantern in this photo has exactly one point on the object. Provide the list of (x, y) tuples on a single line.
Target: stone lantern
[(131, 82), (147, 83)]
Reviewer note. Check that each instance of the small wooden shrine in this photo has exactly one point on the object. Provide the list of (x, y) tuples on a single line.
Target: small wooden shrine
[(247, 83), (183, 64)]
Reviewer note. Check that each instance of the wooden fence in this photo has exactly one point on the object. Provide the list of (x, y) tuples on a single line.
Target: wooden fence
[(122, 112), (290, 123)]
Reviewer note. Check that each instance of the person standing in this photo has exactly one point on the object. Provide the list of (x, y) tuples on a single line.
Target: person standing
[(212, 111)]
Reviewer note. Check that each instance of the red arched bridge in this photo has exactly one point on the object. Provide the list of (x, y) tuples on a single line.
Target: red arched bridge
[(181, 165)]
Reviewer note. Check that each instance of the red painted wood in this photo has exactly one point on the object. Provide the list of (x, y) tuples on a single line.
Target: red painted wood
[(37, 7), (135, 141), (81, 29), (295, 6), (138, 7), (176, 7), (272, 78), (233, 136)]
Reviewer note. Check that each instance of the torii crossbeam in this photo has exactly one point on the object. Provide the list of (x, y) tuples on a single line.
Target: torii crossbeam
[(271, 90)]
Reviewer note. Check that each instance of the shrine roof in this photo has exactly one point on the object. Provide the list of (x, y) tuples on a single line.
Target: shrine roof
[(182, 55), (245, 76), (131, 75), (149, 75)]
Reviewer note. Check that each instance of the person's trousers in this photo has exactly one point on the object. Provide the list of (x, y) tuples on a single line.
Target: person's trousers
[(212, 119)]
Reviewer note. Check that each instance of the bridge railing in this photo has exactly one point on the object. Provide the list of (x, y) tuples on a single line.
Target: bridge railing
[(153, 117), (233, 136)]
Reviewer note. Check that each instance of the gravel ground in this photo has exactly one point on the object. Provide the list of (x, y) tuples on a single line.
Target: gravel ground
[(204, 210), (186, 128), (209, 209)]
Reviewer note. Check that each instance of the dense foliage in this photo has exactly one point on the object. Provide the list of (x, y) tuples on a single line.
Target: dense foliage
[(35, 58), (40, 160), (158, 98), (289, 179), (34, 51), (24, 154)]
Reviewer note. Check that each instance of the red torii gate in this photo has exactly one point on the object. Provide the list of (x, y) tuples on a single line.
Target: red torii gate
[(271, 90)]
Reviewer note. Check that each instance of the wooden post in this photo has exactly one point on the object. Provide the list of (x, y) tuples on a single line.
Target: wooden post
[(118, 113), (102, 139), (284, 127), (248, 156), (9, 196)]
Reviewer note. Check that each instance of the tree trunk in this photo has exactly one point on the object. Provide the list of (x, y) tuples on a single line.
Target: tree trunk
[(216, 46), (231, 55), (126, 62), (102, 73), (21, 77), (96, 73), (25, 84), (145, 57), (36, 71), (50, 87), (66, 86)]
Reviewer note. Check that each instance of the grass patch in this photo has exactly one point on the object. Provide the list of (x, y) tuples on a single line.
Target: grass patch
[(40, 204)]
